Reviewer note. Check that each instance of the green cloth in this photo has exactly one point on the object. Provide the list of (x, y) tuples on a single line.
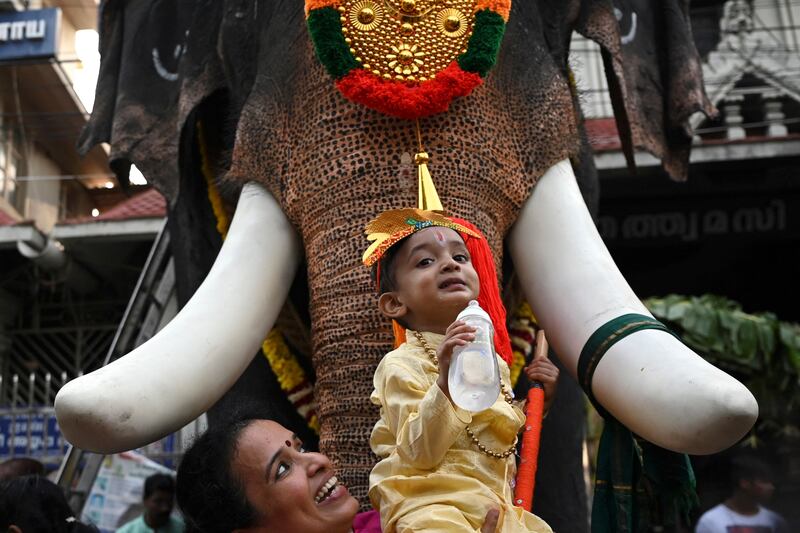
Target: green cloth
[(175, 525), (637, 484)]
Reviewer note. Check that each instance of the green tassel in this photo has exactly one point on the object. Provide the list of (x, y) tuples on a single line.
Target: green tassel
[(325, 29), (484, 45)]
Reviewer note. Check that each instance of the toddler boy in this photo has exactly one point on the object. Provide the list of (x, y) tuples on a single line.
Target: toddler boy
[(442, 468)]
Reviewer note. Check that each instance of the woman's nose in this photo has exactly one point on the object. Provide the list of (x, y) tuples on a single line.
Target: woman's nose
[(317, 462)]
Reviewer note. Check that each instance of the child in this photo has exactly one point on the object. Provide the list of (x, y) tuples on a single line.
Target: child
[(442, 468)]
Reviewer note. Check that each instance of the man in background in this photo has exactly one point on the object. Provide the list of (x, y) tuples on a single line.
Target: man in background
[(743, 511), (159, 499)]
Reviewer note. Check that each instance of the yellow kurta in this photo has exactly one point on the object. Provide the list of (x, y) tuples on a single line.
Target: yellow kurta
[(431, 476)]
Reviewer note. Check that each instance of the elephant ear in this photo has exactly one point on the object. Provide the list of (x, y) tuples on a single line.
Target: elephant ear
[(654, 75), (159, 60)]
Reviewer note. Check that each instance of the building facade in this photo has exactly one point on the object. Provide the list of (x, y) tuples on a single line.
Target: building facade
[(733, 228), (72, 241)]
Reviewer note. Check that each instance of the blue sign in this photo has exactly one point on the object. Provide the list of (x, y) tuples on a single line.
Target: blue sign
[(41, 442), (29, 34), (46, 442)]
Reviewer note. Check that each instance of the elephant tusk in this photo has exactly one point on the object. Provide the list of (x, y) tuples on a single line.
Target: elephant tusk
[(652, 383), (184, 369)]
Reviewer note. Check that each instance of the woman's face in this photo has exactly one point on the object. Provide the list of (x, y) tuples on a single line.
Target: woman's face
[(291, 489)]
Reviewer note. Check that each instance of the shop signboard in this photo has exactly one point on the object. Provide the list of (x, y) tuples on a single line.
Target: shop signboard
[(29, 34), (34, 435), (729, 218)]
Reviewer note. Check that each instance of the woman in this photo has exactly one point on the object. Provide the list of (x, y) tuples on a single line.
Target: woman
[(254, 476)]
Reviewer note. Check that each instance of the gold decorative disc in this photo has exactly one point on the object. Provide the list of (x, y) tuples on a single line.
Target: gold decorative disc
[(407, 39), (452, 22), (366, 15)]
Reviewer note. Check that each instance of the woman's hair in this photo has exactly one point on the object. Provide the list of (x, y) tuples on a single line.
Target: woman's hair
[(20, 466), (209, 495), (37, 505)]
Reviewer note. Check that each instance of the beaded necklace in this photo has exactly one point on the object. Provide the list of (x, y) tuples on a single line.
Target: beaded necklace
[(506, 394)]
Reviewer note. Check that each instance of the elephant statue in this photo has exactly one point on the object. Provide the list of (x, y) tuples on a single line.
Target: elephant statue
[(306, 170)]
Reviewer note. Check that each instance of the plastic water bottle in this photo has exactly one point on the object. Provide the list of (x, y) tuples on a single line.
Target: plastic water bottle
[(474, 378)]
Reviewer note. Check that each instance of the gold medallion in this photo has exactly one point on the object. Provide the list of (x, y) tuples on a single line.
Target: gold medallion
[(409, 40)]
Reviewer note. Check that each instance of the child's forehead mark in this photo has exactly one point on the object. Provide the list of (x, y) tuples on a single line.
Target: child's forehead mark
[(441, 238)]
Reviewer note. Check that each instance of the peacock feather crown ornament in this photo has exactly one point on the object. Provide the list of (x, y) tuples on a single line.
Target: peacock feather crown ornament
[(407, 58)]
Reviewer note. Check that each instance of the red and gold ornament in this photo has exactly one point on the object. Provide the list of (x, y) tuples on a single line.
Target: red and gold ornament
[(407, 58)]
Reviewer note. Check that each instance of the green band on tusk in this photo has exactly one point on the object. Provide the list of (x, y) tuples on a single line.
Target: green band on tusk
[(604, 338)]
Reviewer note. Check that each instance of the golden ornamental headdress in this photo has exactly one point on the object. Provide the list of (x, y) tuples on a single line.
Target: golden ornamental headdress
[(396, 224)]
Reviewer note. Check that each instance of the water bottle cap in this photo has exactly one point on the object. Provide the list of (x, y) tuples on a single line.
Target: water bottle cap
[(473, 309)]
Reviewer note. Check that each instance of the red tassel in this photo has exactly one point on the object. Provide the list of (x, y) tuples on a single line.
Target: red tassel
[(489, 298), (401, 100), (399, 334)]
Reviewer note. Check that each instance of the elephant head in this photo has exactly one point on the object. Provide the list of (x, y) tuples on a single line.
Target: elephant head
[(314, 168)]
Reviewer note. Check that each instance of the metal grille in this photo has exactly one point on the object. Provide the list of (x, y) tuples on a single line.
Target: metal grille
[(57, 352), (30, 429)]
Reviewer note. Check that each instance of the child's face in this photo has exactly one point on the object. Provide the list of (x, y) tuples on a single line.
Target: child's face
[(435, 279)]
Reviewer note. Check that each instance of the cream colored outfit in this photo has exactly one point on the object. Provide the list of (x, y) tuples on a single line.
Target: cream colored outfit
[(431, 476)]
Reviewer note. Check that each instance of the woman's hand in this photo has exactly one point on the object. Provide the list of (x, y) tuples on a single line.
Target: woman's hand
[(490, 522), (544, 371), (458, 334)]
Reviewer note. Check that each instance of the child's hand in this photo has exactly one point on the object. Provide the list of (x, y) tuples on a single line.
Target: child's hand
[(490, 522), (457, 334), (544, 371)]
